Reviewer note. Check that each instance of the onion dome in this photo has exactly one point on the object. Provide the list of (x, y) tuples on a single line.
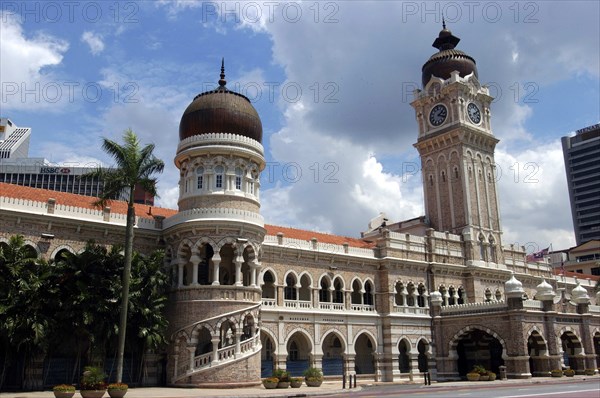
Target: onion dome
[(448, 59), (579, 295), (544, 291), (513, 288), (221, 111)]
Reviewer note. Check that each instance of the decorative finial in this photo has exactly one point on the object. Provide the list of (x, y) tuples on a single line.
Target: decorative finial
[(443, 21), (222, 81)]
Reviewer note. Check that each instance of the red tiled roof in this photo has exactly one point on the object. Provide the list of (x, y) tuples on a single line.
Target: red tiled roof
[(321, 237), (81, 201), (120, 207), (557, 271)]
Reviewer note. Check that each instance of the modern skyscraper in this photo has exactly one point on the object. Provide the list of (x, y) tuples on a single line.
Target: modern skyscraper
[(582, 164)]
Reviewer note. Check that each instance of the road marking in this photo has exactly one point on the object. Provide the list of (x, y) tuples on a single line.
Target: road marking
[(546, 393)]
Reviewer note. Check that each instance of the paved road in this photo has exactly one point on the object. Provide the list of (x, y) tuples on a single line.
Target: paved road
[(589, 388)]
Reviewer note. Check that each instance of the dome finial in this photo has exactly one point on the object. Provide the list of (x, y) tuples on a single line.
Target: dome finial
[(222, 81), (443, 22)]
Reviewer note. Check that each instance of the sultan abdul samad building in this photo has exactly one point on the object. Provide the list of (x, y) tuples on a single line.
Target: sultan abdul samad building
[(437, 293)]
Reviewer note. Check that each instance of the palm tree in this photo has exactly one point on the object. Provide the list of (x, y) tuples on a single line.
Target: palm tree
[(134, 167)]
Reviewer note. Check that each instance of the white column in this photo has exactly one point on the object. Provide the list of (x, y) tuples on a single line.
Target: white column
[(180, 275), (238, 271), (192, 351), (215, 342), (216, 263), (195, 260)]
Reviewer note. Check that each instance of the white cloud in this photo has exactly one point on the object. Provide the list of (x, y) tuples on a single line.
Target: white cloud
[(93, 40), (26, 64)]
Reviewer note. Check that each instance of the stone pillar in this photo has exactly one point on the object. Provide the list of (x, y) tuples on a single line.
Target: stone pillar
[(195, 260), (238, 271), (279, 296), (348, 300), (215, 343), (280, 361), (238, 338), (414, 365), (349, 364), (175, 359), (378, 365), (216, 263), (316, 361), (253, 268), (192, 351), (180, 274)]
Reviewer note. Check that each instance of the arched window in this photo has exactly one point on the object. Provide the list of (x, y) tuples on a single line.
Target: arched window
[(443, 176), (452, 298), (421, 298), (200, 178), (410, 298), (456, 173), (368, 296), (338, 292), (324, 291), (219, 170), (461, 295), (238, 178), (498, 295), (399, 296), (290, 288)]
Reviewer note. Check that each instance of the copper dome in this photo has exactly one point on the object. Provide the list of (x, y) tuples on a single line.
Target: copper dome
[(448, 59), (220, 111)]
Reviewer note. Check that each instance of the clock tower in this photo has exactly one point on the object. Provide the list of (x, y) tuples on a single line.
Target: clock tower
[(456, 146)]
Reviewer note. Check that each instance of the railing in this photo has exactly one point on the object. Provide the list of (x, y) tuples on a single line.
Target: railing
[(268, 302), (332, 306), (411, 310), (363, 307), (297, 304), (474, 307), (219, 292), (202, 360), (533, 304), (226, 353)]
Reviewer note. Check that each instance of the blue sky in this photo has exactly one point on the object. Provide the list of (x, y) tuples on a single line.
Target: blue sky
[(332, 82)]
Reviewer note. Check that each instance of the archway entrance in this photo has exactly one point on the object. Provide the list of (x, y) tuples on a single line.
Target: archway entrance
[(266, 355), (477, 347), (404, 356), (299, 349), (364, 361), (538, 355), (597, 348), (333, 362), (572, 350)]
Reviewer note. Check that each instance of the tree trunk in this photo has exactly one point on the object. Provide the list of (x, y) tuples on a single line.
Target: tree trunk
[(126, 278)]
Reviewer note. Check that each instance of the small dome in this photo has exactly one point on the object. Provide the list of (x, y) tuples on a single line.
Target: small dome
[(448, 59), (579, 295), (220, 111), (513, 288), (544, 291), (435, 298)]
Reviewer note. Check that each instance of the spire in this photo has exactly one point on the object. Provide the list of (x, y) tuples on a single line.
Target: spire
[(222, 81), (445, 40)]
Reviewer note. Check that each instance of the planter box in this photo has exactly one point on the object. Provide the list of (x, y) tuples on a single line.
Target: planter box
[(296, 384), (473, 376)]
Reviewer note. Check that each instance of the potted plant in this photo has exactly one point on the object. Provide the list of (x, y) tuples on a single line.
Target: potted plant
[(590, 371), (92, 383), (295, 382), (473, 376), (556, 373), (117, 390), (270, 382), (64, 390), (492, 376), (283, 377), (569, 372), (476, 373), (313, 377)]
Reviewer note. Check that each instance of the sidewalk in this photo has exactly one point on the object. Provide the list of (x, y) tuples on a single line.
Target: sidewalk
[(334, 387), (327, 388)]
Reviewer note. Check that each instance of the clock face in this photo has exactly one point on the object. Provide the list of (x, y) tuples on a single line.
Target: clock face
[(474, 113), (438, 115)]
